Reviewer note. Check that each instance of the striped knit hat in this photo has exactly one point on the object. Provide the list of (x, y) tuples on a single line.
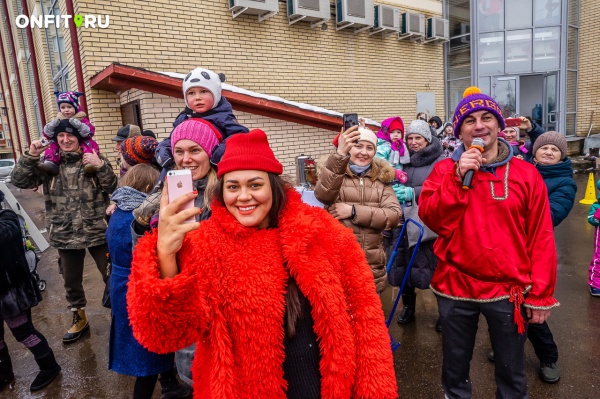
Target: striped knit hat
[(474, 100), (139, 149)]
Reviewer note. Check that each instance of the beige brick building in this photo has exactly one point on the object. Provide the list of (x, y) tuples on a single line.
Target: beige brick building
[(588, 85), (338, 70)]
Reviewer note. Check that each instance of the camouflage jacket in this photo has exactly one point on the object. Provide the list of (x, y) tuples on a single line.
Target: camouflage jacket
[(75, 204)]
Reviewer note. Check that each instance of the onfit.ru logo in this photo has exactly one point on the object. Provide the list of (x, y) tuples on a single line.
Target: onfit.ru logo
[(44, 21)]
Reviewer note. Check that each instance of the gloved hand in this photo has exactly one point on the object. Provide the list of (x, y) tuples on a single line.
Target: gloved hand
[(403, 193), (597, 214), (401, 176), (149, 208), (84, 130), (49, 128)]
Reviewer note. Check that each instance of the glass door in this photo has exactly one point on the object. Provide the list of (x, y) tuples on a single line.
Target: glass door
[(505, 90), (550, 102)]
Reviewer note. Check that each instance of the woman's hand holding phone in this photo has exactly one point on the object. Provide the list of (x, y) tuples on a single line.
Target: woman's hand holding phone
[(347, 140), (172, 228)]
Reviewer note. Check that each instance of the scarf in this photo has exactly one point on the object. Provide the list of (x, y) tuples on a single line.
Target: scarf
[(359, 170), (128, 198)]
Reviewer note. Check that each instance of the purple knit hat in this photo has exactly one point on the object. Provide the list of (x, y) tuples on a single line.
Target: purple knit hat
[(199, 131), (68, 97), (474, 100)]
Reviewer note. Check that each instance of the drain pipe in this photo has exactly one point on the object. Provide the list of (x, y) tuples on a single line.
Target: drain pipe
[(12, 102), (17, 74), (76, 56), (36, 75)]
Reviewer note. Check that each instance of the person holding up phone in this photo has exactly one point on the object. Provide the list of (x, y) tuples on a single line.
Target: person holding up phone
[(258, 287), (512, 133), (356, 189), (75, 210)]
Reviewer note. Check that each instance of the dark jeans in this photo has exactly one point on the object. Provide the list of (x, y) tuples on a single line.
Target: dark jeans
[(543, 342), (72, 262), (459, 320)]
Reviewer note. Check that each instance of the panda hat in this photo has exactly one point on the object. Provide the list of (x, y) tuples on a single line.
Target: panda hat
[(206, 78)]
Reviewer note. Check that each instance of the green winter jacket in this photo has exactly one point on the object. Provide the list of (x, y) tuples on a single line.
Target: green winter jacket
[(75, 204)]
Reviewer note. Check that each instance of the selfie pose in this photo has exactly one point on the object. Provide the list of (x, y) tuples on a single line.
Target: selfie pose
[(355, 188), (276, 294)]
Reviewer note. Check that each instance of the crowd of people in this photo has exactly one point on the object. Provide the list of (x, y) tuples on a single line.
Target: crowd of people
[(191, 285)]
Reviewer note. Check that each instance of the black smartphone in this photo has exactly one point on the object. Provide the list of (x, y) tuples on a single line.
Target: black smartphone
[(349, 120)]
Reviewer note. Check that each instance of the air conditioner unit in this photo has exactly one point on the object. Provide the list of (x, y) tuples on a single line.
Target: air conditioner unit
[(314, 11), (386, 21), (412, 26), (437, 30), (356, 13), (262, 8)]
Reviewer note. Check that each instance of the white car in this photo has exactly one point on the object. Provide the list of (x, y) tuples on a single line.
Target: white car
[(6, 167)]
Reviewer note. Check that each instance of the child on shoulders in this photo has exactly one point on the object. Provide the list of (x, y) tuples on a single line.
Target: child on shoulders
[(68, 108), (203, 99)]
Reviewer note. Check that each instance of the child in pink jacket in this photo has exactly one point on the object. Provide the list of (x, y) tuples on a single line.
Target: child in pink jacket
[(594, 271), (68, 107)]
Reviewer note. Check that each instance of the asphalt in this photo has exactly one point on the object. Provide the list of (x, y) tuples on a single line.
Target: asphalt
[(575, 324)]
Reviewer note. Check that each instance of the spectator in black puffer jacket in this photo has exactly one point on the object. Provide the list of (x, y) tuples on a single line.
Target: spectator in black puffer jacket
[(18, 294)]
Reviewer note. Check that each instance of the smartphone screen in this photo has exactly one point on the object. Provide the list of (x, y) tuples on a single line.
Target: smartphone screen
[(349, 120), (179, 182)]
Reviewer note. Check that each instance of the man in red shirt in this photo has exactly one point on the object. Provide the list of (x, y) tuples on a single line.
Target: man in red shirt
[(496, 249)]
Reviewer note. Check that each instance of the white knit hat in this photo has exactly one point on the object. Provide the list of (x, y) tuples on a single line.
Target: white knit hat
[(367, 134), (206, 78), (419, 127)]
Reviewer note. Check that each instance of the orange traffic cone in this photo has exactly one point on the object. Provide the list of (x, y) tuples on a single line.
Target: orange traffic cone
[(590, 191)]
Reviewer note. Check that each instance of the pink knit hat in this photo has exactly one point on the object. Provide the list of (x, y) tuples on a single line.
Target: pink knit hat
[(199, 131)]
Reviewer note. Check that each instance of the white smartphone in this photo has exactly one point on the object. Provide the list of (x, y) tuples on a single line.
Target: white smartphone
[(179, 182)]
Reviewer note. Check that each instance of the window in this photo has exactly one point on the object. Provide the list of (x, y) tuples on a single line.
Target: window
[(547, 12), (131, 114), (56, 47), (1, 135), (24, 47)]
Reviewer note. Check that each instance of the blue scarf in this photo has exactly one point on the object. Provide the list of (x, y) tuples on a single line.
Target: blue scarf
[(128, 198), (359, 170)]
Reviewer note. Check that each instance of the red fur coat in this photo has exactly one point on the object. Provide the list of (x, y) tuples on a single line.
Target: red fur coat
[(229, 299)]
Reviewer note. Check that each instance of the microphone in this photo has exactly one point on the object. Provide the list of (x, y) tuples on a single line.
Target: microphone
[(467, 180)]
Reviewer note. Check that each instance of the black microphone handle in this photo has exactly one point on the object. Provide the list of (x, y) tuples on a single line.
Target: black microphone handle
[(468, 179)]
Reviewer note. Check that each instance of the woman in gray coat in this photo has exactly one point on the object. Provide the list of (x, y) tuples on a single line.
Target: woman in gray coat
[(425, 151)]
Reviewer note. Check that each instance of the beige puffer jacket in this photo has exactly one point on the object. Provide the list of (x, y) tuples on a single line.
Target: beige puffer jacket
[(375, 204)]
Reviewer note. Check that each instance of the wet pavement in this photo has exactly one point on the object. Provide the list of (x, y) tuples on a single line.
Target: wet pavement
[(575, 325)]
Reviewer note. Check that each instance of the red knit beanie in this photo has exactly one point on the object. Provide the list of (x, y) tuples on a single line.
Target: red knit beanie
[(139, 149), (249, 151), (200, 132), (397, 125)]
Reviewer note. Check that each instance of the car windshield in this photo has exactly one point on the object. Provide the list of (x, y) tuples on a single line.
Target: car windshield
[(6, 163)]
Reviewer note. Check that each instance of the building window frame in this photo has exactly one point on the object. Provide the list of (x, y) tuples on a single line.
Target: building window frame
[(54, 39)]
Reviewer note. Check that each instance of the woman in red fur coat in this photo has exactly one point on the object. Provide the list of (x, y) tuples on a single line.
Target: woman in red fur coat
[(277, 295)]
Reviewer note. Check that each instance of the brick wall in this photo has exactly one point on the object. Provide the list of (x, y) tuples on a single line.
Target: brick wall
[(588, 84)]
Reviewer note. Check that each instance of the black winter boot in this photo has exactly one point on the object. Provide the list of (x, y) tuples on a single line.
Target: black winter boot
[(407, 315), (171, 388), (6, 372), (49, 370)]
